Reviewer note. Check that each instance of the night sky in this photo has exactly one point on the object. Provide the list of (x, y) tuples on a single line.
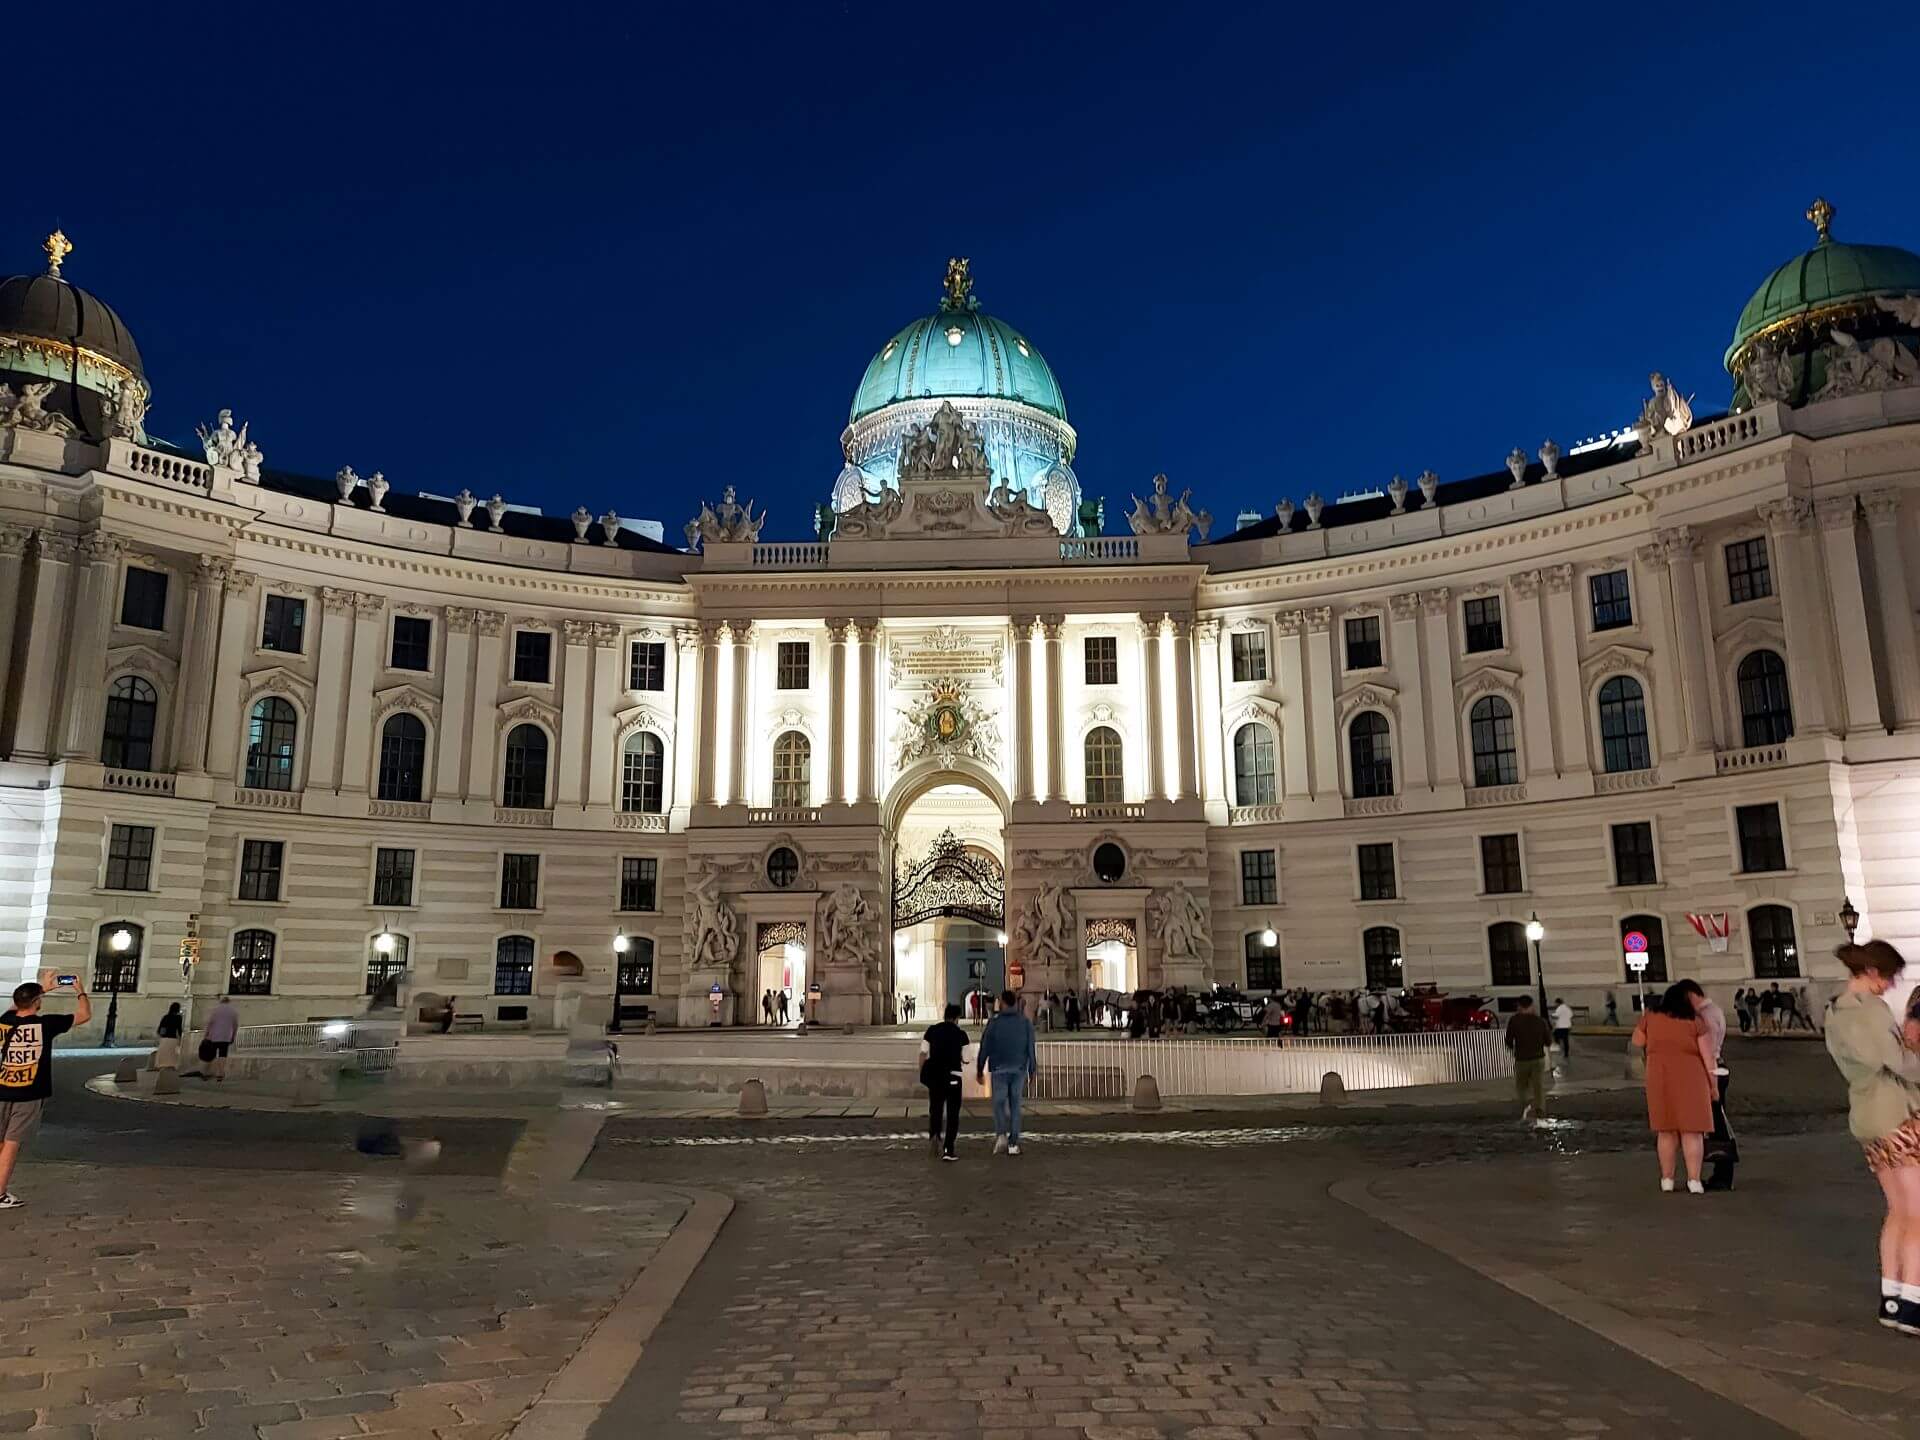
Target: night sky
[(625, 261)]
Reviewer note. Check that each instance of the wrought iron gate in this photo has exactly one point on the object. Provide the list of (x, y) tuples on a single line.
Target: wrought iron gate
[(953, 878)]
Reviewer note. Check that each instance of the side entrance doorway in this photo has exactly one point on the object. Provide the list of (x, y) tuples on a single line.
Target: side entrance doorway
[(949, 930)]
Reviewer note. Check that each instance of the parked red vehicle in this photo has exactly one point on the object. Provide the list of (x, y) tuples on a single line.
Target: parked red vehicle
[(1426, 1007)]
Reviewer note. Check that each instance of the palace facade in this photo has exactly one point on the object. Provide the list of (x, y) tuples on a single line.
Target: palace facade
[(284, 737)]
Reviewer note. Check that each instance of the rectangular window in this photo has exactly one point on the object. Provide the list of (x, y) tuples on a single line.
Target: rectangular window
[(412, 643), (647, 665), (1500, 865), (392, 877), (513, 966), (130, 858), (1259, 878), (1363, 642), (1484, 631), (533, 657), (250, 968), (1263, 966), (1633, 859), (1612, 600), (519, 882), (261, 865), (284, 627), (639, 883), (793, 665), (1249, 655), (143, 602), (1763, 846), (1376, 872), (1749, 576), (1102, 655)]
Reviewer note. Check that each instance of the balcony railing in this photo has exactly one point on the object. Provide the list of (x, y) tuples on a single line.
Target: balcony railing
[(399, 810), (1495, 795), (1756, 757), (1101, 547), (1256, 814), (266, 799), (785, 815), (1130, 810), (531, 819), (144, 782), (1724, 434), (790, 555), (1375, 805), (1622, 780)]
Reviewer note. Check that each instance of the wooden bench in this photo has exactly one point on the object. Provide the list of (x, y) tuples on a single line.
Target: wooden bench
[(472, 1021)]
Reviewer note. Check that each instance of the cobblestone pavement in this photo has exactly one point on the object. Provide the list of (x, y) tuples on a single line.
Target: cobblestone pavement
[(1107, 1288)]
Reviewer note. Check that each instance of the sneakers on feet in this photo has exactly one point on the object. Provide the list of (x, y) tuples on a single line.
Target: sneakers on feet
[(949, 1155), (1013, 1150), (999, 1144), (1694, 1187), (1906, 1319), (1889, 1311), (10, 1201), (1667, 1186)]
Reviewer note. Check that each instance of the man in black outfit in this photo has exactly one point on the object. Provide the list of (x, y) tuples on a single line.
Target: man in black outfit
[(943, 1053)]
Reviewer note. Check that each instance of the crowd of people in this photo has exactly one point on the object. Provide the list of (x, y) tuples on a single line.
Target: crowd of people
[(1771, 1011)]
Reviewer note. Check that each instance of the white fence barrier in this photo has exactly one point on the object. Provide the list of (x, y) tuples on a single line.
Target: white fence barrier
[(315, 1037), (1107, 1069)]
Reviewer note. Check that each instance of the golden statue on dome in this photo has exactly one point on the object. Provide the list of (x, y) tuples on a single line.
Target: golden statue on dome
[(58, 247), (959, 285), (1820, 213)]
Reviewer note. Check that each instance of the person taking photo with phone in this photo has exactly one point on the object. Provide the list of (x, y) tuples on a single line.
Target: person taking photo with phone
[(26, 1072)]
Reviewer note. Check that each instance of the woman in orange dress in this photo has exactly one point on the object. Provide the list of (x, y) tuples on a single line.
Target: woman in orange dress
[(1680, 1083)]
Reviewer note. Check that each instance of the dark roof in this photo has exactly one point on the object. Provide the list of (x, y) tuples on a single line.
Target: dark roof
[(51, 309), (1451, 492)]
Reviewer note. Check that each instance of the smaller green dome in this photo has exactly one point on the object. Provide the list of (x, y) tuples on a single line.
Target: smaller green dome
[(1830, 275), (958, 352)]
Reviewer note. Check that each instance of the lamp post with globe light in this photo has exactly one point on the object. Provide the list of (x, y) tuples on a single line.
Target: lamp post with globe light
[(119, 943), (621, 944), (1536, 932)]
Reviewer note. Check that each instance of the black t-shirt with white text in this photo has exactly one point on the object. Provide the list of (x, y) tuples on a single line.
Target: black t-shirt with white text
[(26, 1054), (946, 1048)]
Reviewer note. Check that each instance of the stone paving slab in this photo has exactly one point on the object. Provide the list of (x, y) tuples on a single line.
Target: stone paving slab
[(153, 1302)]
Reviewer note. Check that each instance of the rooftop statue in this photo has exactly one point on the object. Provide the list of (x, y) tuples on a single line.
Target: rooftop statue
[(230, 448), (1856, 369), (959, 285), (945, 445), (1666, 412), (869, 519), (1163, 515), (27, 410), (1019, 514), (726, 522), (127, 410), (1768, 374)]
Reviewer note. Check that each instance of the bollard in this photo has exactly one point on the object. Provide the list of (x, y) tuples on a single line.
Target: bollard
[(753, 1100), (1146, 1093), (127, 1072), (166, 1082), (1333, 1090)]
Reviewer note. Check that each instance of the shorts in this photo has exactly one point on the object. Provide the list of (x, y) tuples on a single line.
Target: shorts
[(19, 1119), (1889, 1152)]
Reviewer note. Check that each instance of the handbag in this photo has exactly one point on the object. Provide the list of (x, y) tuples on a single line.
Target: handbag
[(207, 1052)]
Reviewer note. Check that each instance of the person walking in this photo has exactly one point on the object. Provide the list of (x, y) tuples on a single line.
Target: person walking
[(943, 1056), (1274, 1017), (1722, 1150), (1528, 1038), (1680, 1083), (1613, 1009), (1883, 1112), (166, 1050), (26, 1072), (223, 1027), (1563, 1028), (1742, 1011), (1007, 1050), (766, 1007)]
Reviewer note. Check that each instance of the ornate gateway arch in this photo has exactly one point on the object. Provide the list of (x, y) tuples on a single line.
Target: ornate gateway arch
[(954, 879)]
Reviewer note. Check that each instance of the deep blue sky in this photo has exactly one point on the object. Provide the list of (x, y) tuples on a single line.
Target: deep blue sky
[(624, 261)]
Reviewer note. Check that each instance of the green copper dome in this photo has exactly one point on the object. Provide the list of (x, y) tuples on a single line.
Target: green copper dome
[(959, 351), (1831, 277)]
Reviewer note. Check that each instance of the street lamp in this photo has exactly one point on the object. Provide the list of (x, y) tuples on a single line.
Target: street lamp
[(1849, 918), (1536, 932), (1269, 938), (621, 944), (119, 942)]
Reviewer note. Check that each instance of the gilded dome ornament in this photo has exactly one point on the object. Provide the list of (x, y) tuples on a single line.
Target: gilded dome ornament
[(58, 247), (1821, 214), (959, 285)]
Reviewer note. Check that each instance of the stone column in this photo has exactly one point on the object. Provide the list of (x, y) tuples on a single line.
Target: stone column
[(227, 724), (1183, 704), (1150, 626), (1669, 562), (575, 678), (13, 549), (707, 738), (87, 648), (369, 658), (839, 636), (1530, 648), (1787, 521), (201, 639), (869, 631), (1847, 596), (1052, 628), (46, 647), (600, 742), (1563, 667), (1323, 683), (482, 783), (1021, 702), (687, 739), (742, 648), (1211, 750), (1416, 774), (1443, 713), (1896, 607), (1290, 671), (333, 662), (456, 705)]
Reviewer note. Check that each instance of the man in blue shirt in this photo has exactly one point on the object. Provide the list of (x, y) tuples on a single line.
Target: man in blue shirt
[(1007, 1049)]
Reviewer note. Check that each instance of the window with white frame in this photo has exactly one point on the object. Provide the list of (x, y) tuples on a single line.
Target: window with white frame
[(643, 773), (133, 710), (129, 858), (792, 771), (647, 665), (262, 869), (250, 965), (1253, 778), (793, 665), (1249, 649), (1100, 655), (1105, 766)]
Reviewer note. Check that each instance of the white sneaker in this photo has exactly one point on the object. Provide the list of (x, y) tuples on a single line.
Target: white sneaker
[(10, 1201), (1013, 1150), (1694, 1187), (1666, 1186), (1526, 1116), (999, 1144)]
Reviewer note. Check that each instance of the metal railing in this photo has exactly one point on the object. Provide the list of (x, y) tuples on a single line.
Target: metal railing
[(1109, 1069), (317, 1037)]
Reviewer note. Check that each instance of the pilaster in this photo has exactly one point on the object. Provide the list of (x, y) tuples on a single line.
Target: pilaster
[(482, 785), (1290, 669), (46, 646), (199, 645), (227, 724), (13, 548), (369, 636), (1322, 685), (1530, 648), (1182, 630), (839, 637), (1416, 771), (711, 633), (1150, 628), (1846, 594), (1679, 639), (1896, 610), (575, 678), (741, 632), (101, 556), (1211, 747), (1053, 629), (1443, 714), (607, 691), (1563, 666), (869, 632), (1021, 703), (1787, 522)]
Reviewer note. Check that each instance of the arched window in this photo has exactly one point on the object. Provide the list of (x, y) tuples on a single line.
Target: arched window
[(116, 969), (1253, 765), (1370, 748), (1263, 965), (792, 771), (636, 967), (403, 756), (126, 742), (1770, 938), (513, 965), (1509, 963), (383, 965), (1656, 933), (270, 737), (251, 972), (523, 781), (1496, 759), (643, 771), (1381, 946), (1623, 726), (1766, 709), (1106, 772)]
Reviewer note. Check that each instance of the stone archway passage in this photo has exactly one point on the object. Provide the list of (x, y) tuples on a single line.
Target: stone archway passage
[(953, 879)]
